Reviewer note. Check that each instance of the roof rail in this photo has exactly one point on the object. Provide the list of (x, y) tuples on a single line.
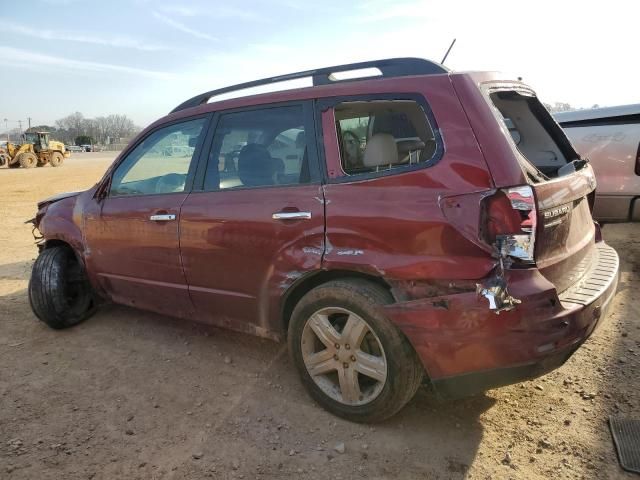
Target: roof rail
[(390, 67)]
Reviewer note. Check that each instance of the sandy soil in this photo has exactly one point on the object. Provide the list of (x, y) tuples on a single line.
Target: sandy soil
[(130, 394)]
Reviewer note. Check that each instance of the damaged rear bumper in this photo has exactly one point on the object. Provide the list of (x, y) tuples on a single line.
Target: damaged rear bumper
[(466, 348)]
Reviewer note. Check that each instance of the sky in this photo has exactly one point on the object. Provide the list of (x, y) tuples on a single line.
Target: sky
[(141, 58)]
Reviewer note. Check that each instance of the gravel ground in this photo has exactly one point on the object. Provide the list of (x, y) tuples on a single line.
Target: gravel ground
[(130, 394)]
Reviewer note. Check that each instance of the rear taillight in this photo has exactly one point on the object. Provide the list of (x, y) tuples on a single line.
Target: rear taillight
[(638, 160), (509, 222)]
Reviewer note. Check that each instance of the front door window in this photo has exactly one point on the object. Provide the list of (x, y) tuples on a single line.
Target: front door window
[(160, 163)]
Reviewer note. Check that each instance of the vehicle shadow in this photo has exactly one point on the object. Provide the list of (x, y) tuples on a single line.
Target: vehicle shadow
[(194, 387), (429, 437)]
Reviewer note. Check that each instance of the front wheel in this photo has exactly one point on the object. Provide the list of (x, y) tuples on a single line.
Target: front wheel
[(56, 159), (351, 358), (59, 292), (27, 160)]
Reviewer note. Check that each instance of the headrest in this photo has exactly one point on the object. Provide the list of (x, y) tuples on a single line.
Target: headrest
[(255, 166), (406, 146), (381, 150)]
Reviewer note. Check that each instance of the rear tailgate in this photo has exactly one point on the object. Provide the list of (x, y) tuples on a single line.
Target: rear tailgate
[(566, 233)]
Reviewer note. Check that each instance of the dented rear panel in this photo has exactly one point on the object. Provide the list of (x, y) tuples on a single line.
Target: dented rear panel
[(523, 145)]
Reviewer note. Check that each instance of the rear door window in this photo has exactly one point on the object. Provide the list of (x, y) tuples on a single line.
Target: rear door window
[(381, 135), (259, 148)]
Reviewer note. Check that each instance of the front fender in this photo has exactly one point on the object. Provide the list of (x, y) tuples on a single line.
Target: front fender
[(61, 221)]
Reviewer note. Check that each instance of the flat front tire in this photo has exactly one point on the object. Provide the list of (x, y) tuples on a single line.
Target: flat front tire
[(352, 360), (59, 292)]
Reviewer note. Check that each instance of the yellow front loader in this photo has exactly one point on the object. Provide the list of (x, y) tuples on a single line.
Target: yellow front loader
[(36, 150)]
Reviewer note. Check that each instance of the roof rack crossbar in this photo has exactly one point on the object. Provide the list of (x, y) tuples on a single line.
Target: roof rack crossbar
[(390, 67)]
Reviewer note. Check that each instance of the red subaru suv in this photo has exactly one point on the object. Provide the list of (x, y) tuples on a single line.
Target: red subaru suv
[(418, 225)]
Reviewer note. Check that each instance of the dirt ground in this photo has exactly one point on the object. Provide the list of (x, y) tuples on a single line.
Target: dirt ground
[(130, 394)]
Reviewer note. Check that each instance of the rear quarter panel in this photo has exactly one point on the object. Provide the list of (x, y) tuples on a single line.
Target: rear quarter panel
[(393, 226)]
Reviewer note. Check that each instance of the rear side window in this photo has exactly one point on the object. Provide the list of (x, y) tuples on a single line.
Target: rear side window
[(381, 135), (259, 148)]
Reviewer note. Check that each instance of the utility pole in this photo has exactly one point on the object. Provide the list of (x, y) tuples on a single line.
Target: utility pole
[(29, 118), (6, 127), (20, 124)]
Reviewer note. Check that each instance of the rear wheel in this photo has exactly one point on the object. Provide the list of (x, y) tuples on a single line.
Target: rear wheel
[(27, 160), (59, 292), (56, 159), (353, 360)]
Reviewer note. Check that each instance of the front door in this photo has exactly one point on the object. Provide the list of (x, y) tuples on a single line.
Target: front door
[(132, 233), (257, 225)]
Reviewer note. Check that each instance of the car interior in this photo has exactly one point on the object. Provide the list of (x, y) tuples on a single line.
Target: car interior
[(258, 149), (533, 134), (391, 134)]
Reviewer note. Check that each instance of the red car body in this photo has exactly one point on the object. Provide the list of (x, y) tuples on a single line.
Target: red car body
[(227, 262)]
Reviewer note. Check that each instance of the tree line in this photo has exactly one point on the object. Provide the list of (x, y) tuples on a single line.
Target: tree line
[(75, 128)]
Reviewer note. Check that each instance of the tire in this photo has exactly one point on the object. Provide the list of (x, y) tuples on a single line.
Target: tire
[(27, 160), (375, 397), (59, 292), (56, 159)]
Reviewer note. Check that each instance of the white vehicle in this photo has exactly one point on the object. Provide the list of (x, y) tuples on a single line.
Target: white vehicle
[(610, 139)]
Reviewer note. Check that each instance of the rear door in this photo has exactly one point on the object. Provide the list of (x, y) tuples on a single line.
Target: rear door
[(256, 224), (132, 233)]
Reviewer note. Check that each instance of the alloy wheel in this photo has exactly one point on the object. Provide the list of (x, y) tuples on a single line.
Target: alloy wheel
[(344, 356)]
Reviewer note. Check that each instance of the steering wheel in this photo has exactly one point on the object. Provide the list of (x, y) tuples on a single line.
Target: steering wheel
[(171, 183)]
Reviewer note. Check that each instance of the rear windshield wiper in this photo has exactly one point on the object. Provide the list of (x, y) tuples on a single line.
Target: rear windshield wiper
[(573, 166)]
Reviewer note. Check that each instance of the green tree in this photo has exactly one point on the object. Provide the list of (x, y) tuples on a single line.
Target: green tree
[(84, 140)]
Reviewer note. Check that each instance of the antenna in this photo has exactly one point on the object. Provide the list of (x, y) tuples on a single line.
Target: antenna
[(448, 50)]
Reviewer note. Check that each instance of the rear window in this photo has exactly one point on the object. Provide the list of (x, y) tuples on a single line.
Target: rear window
[(381, 135), (533, 131)]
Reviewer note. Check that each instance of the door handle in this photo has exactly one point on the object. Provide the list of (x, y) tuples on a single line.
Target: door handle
[(162, 218), (291, 216)]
